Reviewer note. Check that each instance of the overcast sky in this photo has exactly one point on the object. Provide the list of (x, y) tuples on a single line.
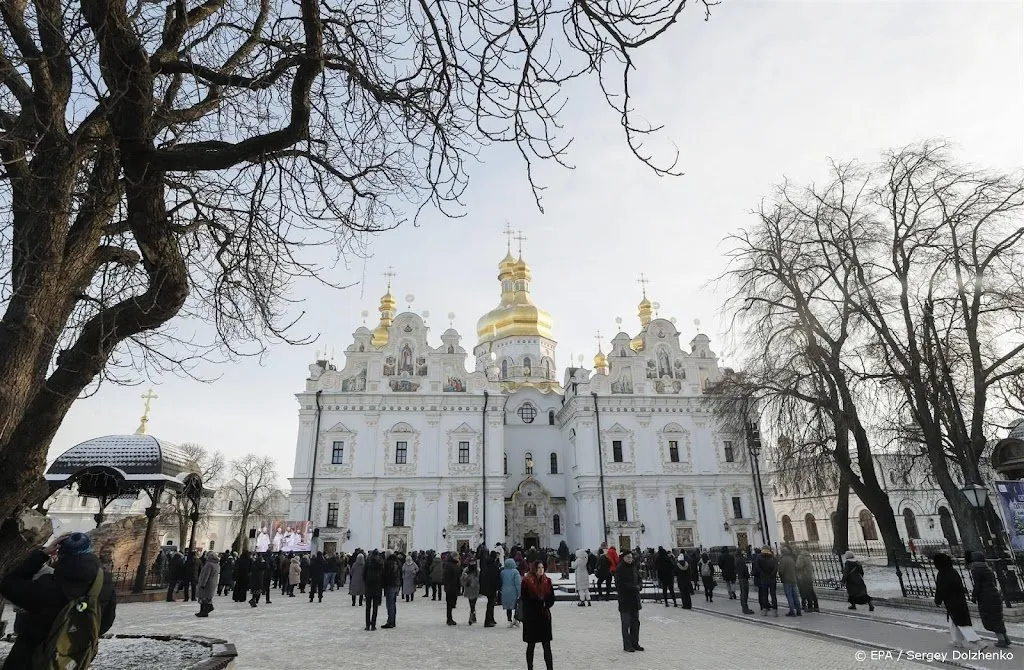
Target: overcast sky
[(761, 91)]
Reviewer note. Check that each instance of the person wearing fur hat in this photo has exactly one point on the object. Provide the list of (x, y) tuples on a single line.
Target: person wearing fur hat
[(853, 578), (42, 598), (766, 572)]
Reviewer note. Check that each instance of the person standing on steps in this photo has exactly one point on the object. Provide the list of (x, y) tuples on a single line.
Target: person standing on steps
[(853, 578), (743, 580), (582, 578), (805, 582), (628, 586), (538, 597), (727, 564), (450, 576), (986, 594), (787, 575), (470, 581)]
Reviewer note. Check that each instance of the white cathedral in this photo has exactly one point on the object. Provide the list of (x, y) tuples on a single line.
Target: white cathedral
[(403, 447)]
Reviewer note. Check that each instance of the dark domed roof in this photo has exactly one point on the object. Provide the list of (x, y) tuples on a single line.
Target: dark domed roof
[(135, 457), (1017, 432)]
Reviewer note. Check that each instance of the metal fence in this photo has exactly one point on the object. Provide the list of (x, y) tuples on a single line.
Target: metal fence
[(123, 579), (916, 574)]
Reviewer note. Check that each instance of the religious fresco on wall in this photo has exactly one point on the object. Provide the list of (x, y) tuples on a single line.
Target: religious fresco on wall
[(390, 366), (652, 369), (664, 366), (624, 384), (668, 385), (684, 537), (405, 360), (404, 386), (421, 367), (355, 383), (454, 385), (680, 371)]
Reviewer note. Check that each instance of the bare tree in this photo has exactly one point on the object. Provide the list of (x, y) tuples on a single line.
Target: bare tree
[(899, 287), (176, 508), (181, 158), (252, 481), (800, 333)]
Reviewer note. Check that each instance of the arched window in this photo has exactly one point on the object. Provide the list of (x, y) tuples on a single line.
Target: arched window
[(527, 367), (811, 527), (910, 521), (547, 369), (451, 349), (787, 528), (551, 417), (867, 525), (554, 463), (527, 412), (506, 463), (948, 526), (556, 525), (529, 463), (504, 369)]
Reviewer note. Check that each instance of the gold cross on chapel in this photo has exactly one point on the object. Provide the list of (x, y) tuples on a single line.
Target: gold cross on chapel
[(149, 397), (390, 274), (520, 238), (643, 281), (509, 234)]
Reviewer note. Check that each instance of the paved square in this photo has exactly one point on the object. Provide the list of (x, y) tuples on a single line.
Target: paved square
[(292, 633)]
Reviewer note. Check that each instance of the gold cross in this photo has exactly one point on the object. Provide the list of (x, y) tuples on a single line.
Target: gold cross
[(598, 338), (390, 274), (520, 238), (643, 281), (509, 234), (148, 396)]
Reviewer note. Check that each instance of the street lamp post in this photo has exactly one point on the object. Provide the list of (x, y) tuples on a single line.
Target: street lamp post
[(754, 447), (977, 497)]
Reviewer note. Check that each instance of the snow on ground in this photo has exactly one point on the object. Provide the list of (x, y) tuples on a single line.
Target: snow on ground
[(292, 632), (133, 654)]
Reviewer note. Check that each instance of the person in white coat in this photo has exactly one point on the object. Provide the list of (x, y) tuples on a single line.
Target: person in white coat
[(582, 578), (262, 541)]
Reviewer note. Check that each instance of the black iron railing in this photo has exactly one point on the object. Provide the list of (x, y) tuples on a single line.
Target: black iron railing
[(124, 579), (916, 573)]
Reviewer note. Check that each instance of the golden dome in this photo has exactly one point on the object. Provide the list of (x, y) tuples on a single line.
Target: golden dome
[(644, 310), (601, 362), (516, 315), (387, 314)]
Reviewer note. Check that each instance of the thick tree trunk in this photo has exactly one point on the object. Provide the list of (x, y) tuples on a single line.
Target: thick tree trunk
[(841, 527)]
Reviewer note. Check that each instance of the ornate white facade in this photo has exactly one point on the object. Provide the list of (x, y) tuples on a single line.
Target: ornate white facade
[(404, 446)]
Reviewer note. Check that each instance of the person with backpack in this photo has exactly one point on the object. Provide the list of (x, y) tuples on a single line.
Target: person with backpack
[(706, 569), (65, 611)]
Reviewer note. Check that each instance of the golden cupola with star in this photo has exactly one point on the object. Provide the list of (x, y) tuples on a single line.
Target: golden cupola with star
[(388, 304)]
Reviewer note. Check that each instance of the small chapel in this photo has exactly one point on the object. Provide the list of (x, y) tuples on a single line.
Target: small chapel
[(406, 446)]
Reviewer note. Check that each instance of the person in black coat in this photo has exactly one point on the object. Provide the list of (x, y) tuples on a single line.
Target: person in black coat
[(665, 568), (950, 591), (317, 570), (192, 567), (682, 569), (43, 598), (628, 586), (227, 573), (241, 577), (175, 574), (727, 565), (537, 596), (258, 572), (490, 586), (373, 579), (853, 578), (563, 559), (743, 579), (451, 577), (986, 594)]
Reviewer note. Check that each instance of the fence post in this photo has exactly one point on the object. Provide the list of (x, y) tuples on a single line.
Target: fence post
[(899, 574)]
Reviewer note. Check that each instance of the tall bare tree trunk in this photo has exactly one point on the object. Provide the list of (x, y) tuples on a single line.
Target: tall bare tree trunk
[(841, 527)]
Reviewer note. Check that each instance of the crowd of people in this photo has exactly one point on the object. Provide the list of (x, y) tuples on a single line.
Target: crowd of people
[(512, 579)]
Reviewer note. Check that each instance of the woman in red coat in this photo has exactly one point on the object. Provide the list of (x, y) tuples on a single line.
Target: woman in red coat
[(537, 596), (613, 556)]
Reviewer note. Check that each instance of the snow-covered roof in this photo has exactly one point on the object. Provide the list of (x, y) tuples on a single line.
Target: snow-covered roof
[(138, 457)]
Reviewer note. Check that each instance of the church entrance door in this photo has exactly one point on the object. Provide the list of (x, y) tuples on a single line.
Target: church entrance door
[(531, 541)]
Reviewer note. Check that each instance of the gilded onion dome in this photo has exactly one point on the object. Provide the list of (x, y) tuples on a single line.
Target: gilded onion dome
[(645, 310), (601, 362), (516, 315), (387, 315)]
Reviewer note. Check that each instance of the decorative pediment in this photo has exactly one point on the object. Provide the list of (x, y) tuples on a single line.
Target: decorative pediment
[(463, 429), (338, 428), (673, 428), (402, 427), (617, 428)]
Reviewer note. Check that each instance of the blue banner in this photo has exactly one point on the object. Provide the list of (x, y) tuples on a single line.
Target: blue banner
[(1011, 498)]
